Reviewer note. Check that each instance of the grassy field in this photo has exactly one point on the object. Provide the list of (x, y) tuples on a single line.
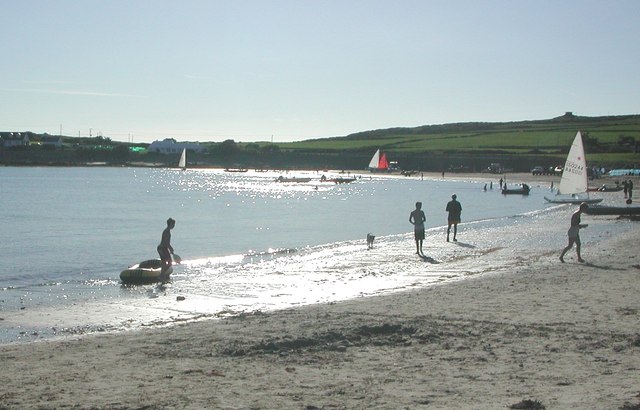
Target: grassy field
[(609, 141)]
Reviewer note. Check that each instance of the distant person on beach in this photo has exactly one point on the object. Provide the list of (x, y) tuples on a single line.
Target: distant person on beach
[(501, 183), (165, 250), (625, 187), (417, 219), (630, 189), (574, 232), (455, 209)]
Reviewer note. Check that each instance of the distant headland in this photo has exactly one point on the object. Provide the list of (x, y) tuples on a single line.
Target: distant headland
[(611, 141)]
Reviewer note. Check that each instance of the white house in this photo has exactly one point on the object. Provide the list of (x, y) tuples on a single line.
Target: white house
[(14, 139), (171, 146), (52, 141)]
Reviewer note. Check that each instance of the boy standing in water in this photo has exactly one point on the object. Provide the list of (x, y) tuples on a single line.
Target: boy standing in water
[(417, 218), (455, 209), (165, 250), (574, 232)]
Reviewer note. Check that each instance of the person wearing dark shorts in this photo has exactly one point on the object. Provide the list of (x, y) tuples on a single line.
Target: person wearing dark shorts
[(165, 250), (455, 210), (574, 232), (417, 219)]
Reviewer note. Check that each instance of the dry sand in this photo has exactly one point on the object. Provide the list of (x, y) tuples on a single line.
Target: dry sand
[(565, 336)]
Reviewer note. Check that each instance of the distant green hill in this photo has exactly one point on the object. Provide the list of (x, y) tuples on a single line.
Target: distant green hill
[(610, 140)]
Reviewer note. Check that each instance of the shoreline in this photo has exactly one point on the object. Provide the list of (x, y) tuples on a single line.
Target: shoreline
[(565, 335)]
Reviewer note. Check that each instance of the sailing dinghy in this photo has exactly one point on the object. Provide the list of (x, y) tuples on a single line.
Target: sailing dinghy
[(379, 162), (573, 183), (182, 164)]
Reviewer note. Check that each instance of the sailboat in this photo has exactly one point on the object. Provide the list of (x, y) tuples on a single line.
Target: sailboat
[(182, 164), (573, 183), (379, 162)]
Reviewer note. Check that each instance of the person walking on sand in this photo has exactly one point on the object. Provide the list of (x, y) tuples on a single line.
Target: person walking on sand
[(574, 232), (417, 219), (455, 209), (165, 250)]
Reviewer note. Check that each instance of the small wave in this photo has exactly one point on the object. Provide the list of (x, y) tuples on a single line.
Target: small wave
[(215, 260), (272, 251)]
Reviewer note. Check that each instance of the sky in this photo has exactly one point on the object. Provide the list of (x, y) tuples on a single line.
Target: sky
[(291, 70)]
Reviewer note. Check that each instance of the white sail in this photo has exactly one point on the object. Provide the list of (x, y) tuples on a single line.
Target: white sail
[(183, 160), (375, 160), (574, 175), (573, 183)]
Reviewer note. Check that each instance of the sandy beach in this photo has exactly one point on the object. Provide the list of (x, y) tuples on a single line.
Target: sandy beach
[(541, 333)]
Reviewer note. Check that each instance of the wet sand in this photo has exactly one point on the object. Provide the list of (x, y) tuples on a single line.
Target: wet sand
[(561, 335)]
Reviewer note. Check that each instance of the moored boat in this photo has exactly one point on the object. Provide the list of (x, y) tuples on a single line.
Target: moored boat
[(341, 180), (605, 188), (517, 191), (292, 179)]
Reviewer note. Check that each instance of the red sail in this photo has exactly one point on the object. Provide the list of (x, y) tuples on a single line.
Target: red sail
[(383, 163)]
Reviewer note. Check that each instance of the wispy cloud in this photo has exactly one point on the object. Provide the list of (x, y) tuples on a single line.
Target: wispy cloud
[(49, 82), (196, 77), (70, 92)]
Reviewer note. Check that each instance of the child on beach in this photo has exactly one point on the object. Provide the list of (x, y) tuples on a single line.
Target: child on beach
[(574, 232), (417, 218)]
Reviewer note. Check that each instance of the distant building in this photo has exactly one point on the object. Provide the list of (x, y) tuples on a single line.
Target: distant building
[(52, 141), (171, 146), (14, 139)]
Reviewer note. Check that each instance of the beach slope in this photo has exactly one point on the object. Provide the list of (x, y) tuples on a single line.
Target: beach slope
[(559, 335)]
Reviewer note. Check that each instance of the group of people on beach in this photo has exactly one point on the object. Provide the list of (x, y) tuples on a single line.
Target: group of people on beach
[(417, 219)]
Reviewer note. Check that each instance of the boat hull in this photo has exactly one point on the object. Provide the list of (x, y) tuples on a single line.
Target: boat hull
[(573, 200), (342, 180), (524, 190), (515, 192), (613, 210), (149, 271), (294, 179), (606, 189)]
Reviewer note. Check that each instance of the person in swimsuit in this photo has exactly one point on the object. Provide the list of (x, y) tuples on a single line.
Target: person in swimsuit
[(574, 232), (165, 250), (418, 219), (455, 209)]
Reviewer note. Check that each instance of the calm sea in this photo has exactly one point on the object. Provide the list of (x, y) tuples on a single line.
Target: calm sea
[(247, 242)]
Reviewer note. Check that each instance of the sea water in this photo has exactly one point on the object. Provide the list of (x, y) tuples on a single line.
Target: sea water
[(248, 243)]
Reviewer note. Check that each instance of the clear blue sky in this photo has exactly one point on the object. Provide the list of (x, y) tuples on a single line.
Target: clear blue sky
[(297, 69)]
